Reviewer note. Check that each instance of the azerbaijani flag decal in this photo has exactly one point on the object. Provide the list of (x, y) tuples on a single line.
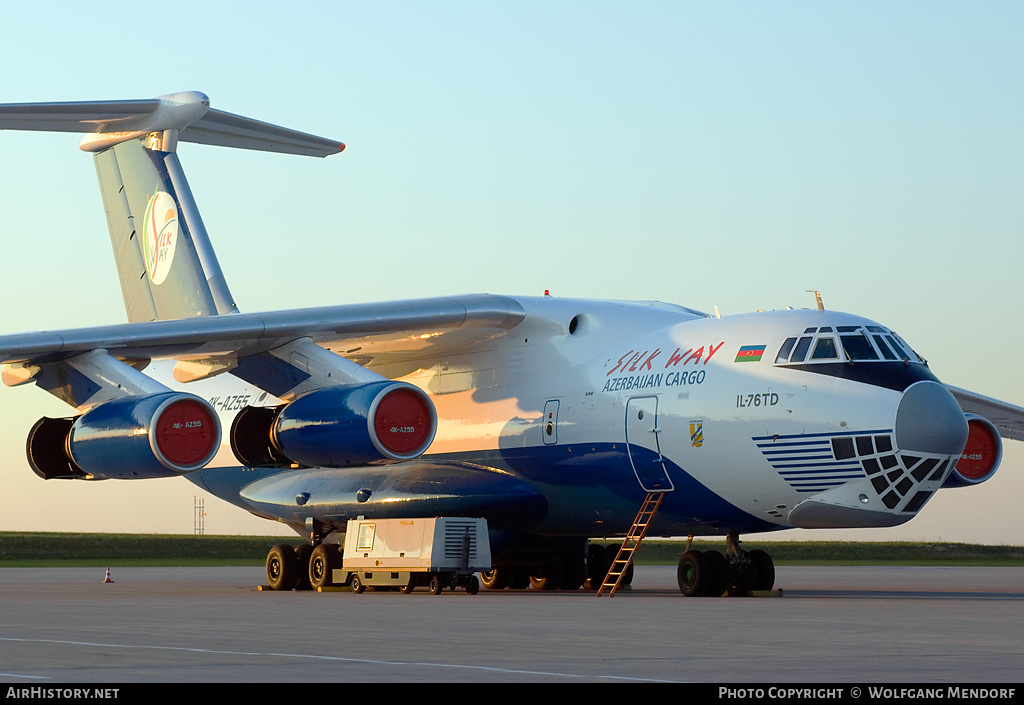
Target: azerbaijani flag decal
[(750, 353)]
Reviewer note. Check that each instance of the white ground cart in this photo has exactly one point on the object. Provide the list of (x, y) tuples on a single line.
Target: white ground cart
[(436, 553)]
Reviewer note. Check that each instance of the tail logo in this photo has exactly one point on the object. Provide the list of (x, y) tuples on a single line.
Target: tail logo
[(161, 235)]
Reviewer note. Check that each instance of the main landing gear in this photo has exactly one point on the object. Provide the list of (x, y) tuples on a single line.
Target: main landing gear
[(585, 568), (288, 567), (737, 573), (303, 567)]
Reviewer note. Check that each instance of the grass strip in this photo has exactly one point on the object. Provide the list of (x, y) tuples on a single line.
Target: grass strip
[(73, 549)]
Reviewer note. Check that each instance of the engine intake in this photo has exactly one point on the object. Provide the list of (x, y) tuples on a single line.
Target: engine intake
[(335, 427), (158, 435), (981, 456)]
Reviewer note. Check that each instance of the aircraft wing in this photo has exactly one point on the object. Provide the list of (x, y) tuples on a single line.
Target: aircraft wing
[(362, 333), (1008, 418)]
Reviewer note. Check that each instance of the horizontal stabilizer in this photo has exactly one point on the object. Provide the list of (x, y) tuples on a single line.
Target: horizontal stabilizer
[(108, 122), (228, 130), (104, 116)]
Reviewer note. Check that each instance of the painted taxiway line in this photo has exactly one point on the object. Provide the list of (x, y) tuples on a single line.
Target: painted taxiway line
[(322, 657)]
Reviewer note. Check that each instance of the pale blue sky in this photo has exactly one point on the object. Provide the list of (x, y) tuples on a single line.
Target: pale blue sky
[(731, 154)]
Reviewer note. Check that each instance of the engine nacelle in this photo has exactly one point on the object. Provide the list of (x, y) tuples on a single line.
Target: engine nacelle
[(981, 456), (337, 427), (159, 435)]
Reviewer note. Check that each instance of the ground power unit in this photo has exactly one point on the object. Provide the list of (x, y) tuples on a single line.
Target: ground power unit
[(435, 552)]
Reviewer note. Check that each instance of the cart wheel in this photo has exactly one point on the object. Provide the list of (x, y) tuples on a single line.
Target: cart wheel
[(435, 585), (406, 589), (473, 587), (357, 585)]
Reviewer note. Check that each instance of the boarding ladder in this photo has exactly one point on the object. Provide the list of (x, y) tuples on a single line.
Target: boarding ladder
[(631, 543)]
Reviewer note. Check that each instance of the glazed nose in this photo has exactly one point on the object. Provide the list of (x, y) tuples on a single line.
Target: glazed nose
[(928, 420)]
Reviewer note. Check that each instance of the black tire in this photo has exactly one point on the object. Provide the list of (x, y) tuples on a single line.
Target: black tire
[(321, 566), (719, 569), (765, 569), (574, 571), (473, 586), (302, 555), (519, 577), (598, 562), (744, 578), (627, 577), (436, 587), (282, 567), (357, 585), (495, 578), (693, 574), (547, 576)]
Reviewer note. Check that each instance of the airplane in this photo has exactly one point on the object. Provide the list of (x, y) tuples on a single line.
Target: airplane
[(556, 419)]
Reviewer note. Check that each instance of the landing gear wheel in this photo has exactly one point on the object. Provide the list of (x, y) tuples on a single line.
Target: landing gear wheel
[(693, 574), (357, 585), (519, 579), (282, 567), (627, 577), (495, 578), (719, 573), (321, 566), (302, 555), (547, 576), (765, 569), (574, 572), (744, 578), (598, 562)]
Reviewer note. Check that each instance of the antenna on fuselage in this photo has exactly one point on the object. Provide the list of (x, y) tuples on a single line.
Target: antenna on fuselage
[(718, 314), (817, 298)]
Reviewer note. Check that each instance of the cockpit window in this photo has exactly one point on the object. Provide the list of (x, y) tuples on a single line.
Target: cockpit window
[(825, 349), (854, 344), (801, 350), (900, 351), (858, 347), (784, 351), (883, 347)]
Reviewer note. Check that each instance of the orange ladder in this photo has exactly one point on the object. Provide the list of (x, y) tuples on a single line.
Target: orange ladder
[(631, 543)]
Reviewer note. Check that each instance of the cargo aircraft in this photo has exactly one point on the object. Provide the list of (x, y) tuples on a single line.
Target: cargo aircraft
[(555, 419)]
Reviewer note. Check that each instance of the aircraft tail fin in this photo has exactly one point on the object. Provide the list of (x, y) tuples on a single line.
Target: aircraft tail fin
[(165, 261), (163, 254)]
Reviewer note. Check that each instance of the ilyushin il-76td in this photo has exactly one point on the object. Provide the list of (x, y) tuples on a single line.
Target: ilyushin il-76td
[(557, 420)]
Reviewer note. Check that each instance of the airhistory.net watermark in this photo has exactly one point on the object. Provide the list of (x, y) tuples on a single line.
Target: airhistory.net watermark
[(41, 693)]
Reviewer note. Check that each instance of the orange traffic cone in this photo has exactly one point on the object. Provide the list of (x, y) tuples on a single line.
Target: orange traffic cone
[(108, 579)]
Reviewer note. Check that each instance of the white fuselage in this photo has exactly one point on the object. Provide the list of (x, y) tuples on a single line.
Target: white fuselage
[(596, 403)]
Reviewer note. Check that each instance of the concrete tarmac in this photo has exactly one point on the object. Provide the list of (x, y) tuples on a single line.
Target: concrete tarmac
[(832, 625)]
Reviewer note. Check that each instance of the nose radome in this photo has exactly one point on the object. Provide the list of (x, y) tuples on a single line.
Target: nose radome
[(929, 420)]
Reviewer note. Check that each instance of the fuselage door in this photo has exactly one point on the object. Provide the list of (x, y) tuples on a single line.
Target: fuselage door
[(643, 446)]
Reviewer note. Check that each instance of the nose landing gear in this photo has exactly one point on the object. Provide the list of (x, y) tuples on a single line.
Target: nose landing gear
[(737, 573)]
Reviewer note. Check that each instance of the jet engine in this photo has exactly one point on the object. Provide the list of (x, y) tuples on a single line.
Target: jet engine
[(336, 427), (981, 456), (157, 435)]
